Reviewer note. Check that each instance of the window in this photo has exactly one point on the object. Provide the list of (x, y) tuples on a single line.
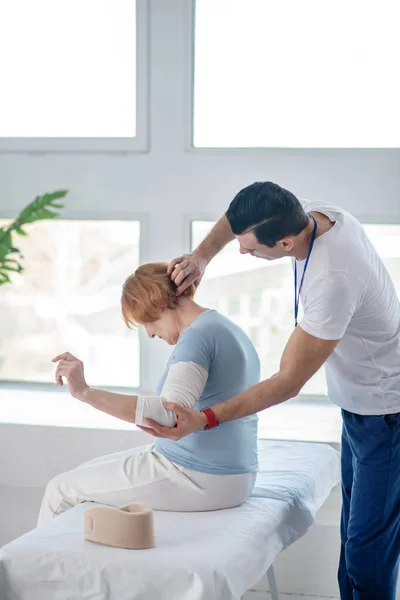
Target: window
[(68, 70), (386, 239), (234, 306), (68, 299), (246, 279), (290, 73)]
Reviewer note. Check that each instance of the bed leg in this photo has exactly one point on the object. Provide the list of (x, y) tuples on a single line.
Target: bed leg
[(272, 583)]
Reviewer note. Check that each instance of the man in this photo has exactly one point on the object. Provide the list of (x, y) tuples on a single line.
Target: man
[(351, 324)]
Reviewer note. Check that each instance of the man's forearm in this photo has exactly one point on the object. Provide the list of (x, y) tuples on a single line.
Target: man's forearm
[(118, 405), (267, 393), (218, 237)]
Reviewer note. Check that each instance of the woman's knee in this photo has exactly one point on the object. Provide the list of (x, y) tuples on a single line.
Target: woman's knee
[(57, 483)]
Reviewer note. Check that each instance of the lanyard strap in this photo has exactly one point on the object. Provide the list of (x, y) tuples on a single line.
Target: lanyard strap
[(297, 293)]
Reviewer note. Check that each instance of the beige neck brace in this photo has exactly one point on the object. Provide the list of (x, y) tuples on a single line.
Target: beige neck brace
[(130, 526)]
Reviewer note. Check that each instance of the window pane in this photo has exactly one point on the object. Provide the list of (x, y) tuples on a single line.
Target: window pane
[(68, 299), (290, 73), (386, 239), (68, 68), (258, 294)]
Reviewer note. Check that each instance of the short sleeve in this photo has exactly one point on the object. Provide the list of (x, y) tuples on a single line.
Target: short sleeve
[(329, 304), (195, 345)]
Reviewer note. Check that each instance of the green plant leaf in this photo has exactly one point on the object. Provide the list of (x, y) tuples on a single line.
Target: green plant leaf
[(18, 269), (41, 208), (20, 231), (5, 238)]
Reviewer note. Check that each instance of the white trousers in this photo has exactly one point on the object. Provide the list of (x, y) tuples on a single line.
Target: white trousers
[(143, 475)]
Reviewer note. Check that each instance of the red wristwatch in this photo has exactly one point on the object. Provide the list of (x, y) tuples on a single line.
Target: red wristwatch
[(211, 418)]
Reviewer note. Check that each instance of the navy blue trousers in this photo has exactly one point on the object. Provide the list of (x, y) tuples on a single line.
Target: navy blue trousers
[(370, 523)]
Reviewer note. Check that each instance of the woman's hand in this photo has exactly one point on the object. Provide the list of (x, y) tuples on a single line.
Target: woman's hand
[(71, 368), (188, 421), (187, 269)]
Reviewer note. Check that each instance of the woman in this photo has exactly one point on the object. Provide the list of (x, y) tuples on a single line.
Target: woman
[(213, 359)]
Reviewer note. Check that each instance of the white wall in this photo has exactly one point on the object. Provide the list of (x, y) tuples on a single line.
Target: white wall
[(165, 185)]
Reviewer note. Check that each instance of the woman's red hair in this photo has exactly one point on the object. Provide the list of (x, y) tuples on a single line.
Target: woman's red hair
[(148, 292)]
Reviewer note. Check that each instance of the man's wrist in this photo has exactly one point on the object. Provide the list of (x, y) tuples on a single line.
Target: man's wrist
[(212, 420), (203, 419), (202, 253)]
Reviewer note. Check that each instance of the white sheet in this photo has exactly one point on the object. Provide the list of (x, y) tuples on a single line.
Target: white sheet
[(199, 556)]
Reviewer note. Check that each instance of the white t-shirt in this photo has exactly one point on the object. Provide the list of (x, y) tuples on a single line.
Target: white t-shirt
[(348, 294)]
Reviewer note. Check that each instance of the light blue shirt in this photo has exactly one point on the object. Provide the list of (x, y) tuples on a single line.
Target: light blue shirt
[(224, 350)]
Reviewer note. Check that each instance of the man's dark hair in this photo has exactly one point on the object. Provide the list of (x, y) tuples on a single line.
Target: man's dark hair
[(270, 211)]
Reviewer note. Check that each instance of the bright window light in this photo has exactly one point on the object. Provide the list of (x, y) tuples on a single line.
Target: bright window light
[(68, 68), (68, 299), (296, 73)]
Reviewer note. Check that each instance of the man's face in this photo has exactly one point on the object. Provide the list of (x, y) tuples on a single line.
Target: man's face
[(250, 245)]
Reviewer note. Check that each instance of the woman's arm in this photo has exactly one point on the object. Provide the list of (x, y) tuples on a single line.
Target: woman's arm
[(185, 382), (184, 385), (120, 406)]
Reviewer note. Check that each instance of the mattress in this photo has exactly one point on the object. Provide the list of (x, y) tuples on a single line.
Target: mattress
[(214, 555)]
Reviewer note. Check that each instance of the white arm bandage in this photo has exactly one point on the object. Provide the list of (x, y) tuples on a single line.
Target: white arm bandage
[(184, 385)]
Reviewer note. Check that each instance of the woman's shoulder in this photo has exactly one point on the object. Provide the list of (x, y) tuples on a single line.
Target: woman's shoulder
[(212, 328), (207, 324), (201, 328), (197, 342)]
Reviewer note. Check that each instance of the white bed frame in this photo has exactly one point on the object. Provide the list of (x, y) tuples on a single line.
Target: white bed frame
[(273, 588)]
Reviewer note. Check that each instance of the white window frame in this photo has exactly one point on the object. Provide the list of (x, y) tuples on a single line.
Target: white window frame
[(137, 144), (189, 48)]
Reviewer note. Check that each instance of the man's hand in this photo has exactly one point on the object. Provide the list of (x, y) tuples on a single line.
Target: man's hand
[(187, 269), (71, 368), (188, 421)]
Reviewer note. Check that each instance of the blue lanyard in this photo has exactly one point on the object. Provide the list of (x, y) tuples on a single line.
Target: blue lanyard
[(297, 294)]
